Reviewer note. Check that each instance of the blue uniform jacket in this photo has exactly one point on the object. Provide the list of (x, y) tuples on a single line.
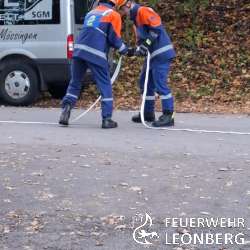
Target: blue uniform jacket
[(101, 30), (149, 26)]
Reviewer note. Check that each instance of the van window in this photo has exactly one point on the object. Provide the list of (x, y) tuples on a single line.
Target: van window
[(28, 12), (81, 9)]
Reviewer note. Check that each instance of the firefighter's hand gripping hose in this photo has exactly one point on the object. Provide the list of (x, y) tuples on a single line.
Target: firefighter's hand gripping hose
[(117, 70), (174, 129)]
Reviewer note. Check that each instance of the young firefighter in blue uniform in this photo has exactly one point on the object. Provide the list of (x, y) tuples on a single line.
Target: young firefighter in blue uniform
[(101, 30), (153, 38)]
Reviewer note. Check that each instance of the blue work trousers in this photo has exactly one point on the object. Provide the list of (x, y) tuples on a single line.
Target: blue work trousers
[(103, 81), (157, 81)]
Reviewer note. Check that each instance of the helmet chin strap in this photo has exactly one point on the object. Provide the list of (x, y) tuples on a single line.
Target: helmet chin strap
[(128, 7)]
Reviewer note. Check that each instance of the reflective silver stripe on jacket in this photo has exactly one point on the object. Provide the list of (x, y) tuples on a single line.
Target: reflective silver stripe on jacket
[(161, 50), (100, 12), (101, 31), (164, 97), (105, 13), (107, 99), (121, 48), (150, 98), (68, 94), (91, 50), (153, 34), (96, 12)]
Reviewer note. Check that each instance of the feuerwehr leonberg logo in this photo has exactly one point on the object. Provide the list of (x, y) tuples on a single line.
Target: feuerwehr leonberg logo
[(142, 234)]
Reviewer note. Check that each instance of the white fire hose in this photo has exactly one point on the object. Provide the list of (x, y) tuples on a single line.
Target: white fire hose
[(174, 129)]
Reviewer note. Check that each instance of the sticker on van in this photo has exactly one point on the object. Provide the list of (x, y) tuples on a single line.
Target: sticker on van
[(40, 9), (13, 12)]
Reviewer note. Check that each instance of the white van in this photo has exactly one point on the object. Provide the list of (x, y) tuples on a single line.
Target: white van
[(36, 45)]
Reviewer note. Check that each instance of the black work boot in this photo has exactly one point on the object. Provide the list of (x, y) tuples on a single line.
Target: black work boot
[(64, 119), (107, 122), (148, 117), (165, 120)]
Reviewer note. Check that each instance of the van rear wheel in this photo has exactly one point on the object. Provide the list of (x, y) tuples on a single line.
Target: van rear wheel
[(19, 84)]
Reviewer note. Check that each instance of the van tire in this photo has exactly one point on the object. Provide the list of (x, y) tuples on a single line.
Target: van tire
[(25, 77)]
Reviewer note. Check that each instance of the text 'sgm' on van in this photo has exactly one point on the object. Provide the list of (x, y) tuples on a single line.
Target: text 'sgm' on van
[(36, 45)]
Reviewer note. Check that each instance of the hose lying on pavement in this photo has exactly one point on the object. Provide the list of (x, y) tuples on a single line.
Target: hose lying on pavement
[(117, 70), (174, 129)]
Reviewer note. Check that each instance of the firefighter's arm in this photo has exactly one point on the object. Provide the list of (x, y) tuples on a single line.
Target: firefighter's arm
[(114, 35), (135, 34), (152, 21)]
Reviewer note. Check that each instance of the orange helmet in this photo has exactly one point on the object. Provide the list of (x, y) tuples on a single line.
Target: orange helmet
[(120, 3), (113, 1)]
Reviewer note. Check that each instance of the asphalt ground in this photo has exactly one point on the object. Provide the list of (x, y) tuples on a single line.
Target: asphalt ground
[(84, 187)]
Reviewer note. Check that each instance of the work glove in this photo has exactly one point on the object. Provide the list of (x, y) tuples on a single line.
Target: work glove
[(142, 50), (130, 52)]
